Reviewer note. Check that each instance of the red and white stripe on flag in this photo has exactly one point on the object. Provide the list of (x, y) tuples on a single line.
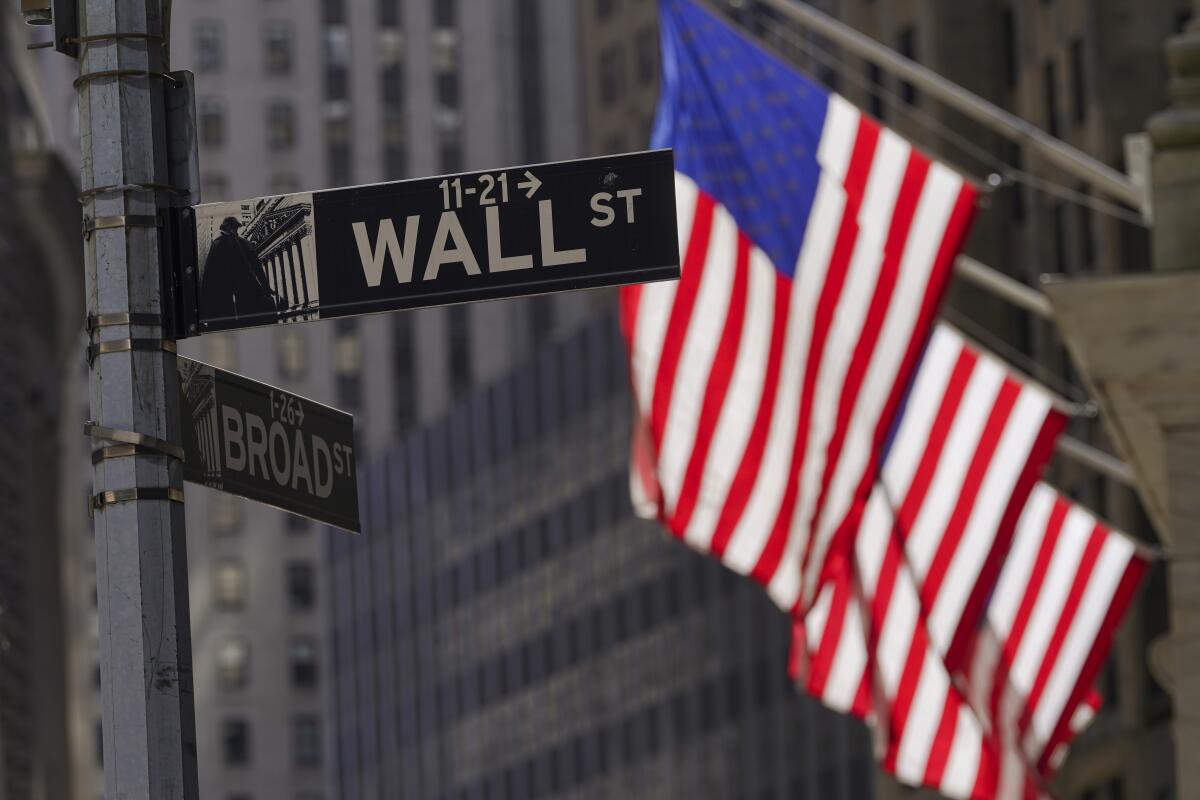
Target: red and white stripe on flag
[(1049, 627), (765, 396), (970, 442)]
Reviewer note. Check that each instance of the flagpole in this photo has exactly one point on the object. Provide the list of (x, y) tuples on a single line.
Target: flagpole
[(1095, 173)]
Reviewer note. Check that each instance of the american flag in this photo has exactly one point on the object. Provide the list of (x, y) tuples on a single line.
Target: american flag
[(781, 428), (816, 246)]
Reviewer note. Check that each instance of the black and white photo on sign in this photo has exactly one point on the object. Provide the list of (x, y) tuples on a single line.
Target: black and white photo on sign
[(258, 257), (198, 386)]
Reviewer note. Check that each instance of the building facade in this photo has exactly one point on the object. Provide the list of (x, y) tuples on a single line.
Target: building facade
[(306, 95), (508, 629), (41, 314)]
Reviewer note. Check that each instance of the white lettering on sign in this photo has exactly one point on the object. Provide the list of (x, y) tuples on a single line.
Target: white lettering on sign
[(290, 458), (497, 261), (606, 215), (550, 256), (449, 227), (387, 245)]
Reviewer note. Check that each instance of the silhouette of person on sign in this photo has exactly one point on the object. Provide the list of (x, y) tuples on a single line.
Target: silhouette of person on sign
[(234, 284)]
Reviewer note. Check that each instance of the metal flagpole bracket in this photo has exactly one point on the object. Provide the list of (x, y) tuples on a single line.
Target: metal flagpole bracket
[(128, 345), (114, 496), (142, 441)]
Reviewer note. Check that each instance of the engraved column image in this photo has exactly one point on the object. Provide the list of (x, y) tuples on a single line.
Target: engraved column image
[(200, 420), (258, 260)]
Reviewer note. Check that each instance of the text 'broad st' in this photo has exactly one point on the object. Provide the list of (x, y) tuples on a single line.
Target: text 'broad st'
[(263, 443)]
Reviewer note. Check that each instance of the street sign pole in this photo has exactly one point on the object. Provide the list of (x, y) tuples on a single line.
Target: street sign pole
[(149, 737)]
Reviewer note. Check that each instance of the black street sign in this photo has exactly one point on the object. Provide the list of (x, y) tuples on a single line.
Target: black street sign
[(263, 443), (410, 244)]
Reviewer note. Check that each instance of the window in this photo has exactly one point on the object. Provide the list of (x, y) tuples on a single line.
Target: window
[(1008, 44), (337, 142), (395, 140), (230, 579), (333, 12), (875, 101), (1087, 233), (306, 741), (389, 13), (284, 183), (337, 58), (908, 48), (391, 81), (233, 663), (460, 348), (529, 86), (293, 353), (1050, 87), (277, 48), (647, 56), (214, 187), (348, 363), (211, 114), (296, 524), (1078, 82), (301, 586), (281, 125), (209, 46), (611, 77), (235, 741), (1060, 237), (447, 90), (445, 13), (304, 663), (404, 354)]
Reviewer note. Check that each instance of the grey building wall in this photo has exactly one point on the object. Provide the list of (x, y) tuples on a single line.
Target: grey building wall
[(40, 314), (508, 629)]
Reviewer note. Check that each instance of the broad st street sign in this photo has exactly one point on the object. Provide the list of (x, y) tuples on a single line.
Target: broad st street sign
[(263, 443), (409, 244)]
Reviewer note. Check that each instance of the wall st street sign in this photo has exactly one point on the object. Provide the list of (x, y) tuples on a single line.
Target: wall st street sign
[(409, 244), (263, 443)]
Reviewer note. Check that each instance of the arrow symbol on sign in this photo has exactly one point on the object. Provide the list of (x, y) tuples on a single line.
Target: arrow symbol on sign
[(532, 185)]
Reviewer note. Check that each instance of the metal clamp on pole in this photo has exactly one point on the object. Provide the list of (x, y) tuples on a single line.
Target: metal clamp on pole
[(118, 221), (128, 345), (115, 496), (139, 440), (123, 73), (97, 321)]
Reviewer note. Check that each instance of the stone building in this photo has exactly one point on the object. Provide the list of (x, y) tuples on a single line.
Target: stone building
[(508, 629), (41, 314)]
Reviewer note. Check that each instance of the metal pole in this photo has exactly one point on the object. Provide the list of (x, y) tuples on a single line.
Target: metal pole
[(1082, 166), (999, 284), (141, 559)]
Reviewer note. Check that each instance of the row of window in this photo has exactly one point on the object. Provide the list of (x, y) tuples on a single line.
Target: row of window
[(675, 721), (279, 123), (278, 47), (230, 585), (548, 537), (233, 663), (586, 636), (237, 741)]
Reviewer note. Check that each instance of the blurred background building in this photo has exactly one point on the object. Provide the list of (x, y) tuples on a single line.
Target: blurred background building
[(41, 504), (294, 657)]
